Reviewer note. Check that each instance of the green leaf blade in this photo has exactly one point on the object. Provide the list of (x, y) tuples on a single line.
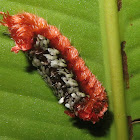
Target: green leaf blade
[(28, 108)]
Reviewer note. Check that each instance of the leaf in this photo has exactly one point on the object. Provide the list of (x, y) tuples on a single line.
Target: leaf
[(28, 108), (129, 32)]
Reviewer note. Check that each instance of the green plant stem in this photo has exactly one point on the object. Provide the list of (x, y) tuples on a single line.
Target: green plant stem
[(113, 67)]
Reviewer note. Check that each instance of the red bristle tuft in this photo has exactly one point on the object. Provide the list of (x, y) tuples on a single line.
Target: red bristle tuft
[(25, 27)]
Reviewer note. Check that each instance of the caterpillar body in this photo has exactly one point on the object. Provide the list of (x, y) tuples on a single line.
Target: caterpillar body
[(59, 64)]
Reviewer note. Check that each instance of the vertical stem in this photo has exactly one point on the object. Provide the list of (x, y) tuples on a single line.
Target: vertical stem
[(113, 66)]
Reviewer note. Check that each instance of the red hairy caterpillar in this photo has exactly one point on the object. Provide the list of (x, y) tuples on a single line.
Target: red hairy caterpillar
[(59, 64)]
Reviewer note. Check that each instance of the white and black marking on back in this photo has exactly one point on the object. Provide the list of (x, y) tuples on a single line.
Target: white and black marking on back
[(53, 68)]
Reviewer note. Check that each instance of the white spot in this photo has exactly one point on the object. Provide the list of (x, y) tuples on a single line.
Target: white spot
[(67, 105), (81, 94), (61, 71), (50, 57), (41, 37), (37, 44), (46, 42), (75, 89), (53, 51), (62, 63), (61, 100), (36, 62), (72, 89), (69, 81), (69, 75), (66, 70), (73, 95), (64, 79), (56, 63), (72, 82)]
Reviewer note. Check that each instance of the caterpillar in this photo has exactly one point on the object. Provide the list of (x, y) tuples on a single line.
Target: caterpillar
[(59, 64)]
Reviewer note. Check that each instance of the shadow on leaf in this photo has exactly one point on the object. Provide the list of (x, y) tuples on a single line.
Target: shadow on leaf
[(30, 68), (99, 129)]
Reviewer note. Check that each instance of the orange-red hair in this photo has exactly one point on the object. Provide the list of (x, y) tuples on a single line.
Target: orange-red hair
[(24, 27)]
